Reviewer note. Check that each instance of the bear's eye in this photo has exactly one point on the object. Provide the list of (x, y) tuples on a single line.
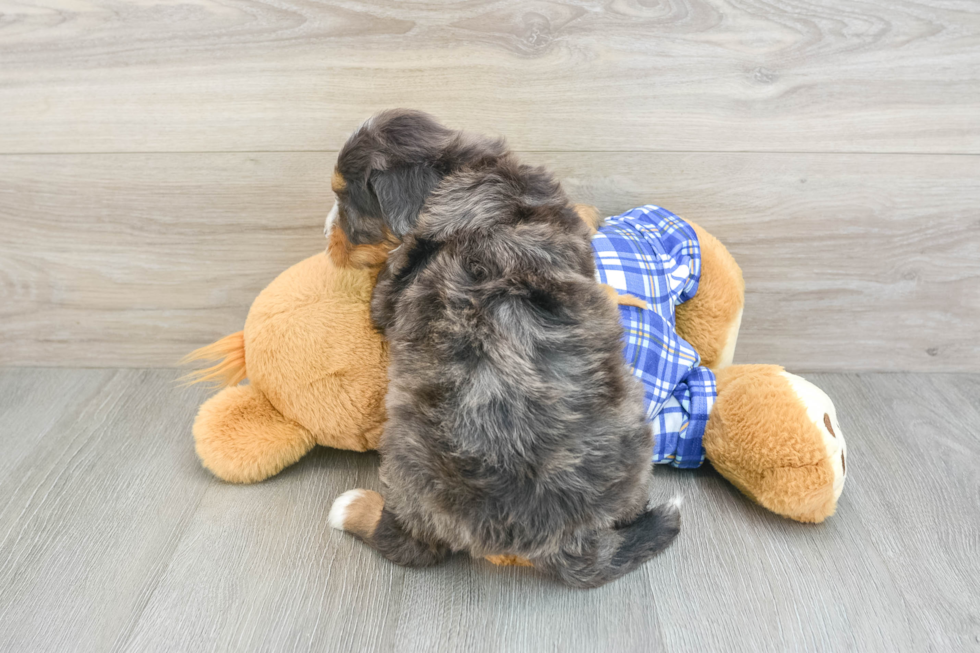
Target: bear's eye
[(826, 422)]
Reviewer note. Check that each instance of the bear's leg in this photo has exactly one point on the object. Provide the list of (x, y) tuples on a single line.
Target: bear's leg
[(242, 438), (775, 436), (710, 320)]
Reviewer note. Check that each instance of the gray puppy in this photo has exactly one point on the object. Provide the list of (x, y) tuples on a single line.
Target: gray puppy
[(514, 426)]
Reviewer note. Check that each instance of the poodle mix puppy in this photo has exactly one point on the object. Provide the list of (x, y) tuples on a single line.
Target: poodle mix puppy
[(514, 426)]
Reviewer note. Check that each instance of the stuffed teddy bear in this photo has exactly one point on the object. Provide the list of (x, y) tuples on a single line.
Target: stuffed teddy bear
[(317, 370)]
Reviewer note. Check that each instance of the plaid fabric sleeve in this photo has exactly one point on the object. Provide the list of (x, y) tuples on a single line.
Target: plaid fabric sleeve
[(679, 426), (652, 254), (675, 245)]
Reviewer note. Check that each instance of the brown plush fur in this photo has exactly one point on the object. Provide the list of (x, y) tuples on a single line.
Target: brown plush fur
[(242, 438), (622, 300), (760, 438), (316, 315), (707, 319), (510, 561), (230, 370), (339, 393)]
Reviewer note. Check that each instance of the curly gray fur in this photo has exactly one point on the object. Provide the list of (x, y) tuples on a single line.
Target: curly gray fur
[(514, 425)]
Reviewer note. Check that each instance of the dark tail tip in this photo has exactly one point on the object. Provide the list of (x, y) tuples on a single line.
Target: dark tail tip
[(648, 535), (608, 554)]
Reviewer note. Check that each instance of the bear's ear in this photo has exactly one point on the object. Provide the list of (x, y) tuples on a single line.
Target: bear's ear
[(401, 193)]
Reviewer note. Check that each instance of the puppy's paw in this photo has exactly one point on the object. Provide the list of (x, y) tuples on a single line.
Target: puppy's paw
[(357, 512)]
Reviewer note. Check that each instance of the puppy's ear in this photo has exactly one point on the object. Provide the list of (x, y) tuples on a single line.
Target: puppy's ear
[(345, 254), (401, 192)]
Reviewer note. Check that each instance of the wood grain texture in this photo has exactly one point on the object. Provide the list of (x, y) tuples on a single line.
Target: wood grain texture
[(114, 539), (852, 262), (595, 75), (103, 259), (93, 503)]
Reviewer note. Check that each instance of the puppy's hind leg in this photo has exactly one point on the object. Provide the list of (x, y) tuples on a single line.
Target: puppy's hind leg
[(362, 514), (603, 556)]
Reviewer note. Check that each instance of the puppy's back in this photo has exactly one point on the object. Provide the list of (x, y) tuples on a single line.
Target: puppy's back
[(514, 425), (511, 409)]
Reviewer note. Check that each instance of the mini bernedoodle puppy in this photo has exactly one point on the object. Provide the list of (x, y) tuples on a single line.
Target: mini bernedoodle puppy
[(514, 427)]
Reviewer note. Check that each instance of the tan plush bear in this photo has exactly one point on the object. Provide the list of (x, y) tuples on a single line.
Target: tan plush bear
[(317, 372)]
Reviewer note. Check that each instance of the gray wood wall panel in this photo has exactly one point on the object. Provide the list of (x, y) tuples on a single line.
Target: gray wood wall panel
[(160, 162), (851, 261), (113, 538), (701, 75)]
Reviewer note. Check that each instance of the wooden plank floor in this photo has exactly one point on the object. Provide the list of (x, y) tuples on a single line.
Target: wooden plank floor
[(113, 538)]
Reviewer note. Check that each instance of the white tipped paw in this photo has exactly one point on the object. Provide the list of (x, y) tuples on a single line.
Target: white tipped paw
[(677, 501), (341, 507)]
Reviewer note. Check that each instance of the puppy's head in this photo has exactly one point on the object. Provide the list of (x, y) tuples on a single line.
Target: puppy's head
[(385, 172)]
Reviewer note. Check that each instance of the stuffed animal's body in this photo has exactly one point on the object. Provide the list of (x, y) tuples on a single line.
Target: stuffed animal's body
[(318, 371), (653, 255)]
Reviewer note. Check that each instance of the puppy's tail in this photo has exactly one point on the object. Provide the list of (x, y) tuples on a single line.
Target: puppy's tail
[(230, 368), (604, 556)]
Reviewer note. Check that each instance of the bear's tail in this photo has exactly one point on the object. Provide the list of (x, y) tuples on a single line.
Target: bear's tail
[(230, 368)]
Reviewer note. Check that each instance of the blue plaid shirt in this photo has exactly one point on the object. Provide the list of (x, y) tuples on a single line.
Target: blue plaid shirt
[(652, 254)]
